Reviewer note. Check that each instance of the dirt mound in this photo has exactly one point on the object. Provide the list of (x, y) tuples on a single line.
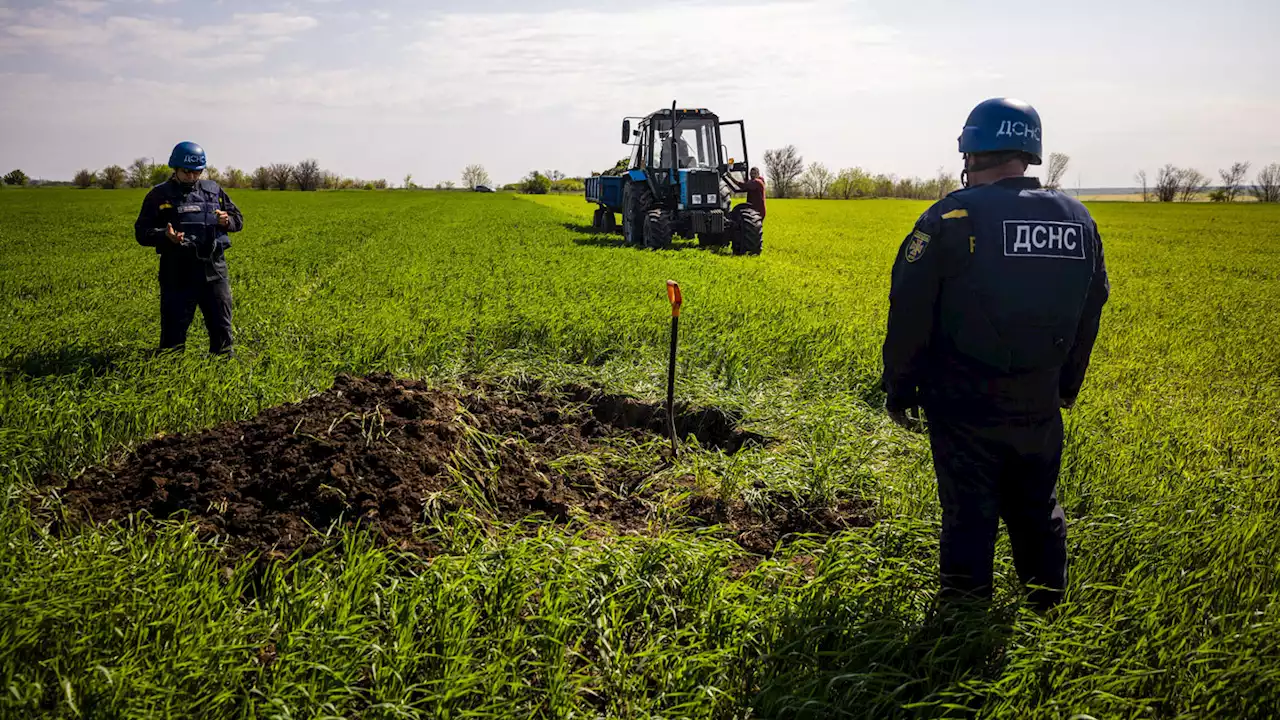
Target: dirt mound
[(386, 453)]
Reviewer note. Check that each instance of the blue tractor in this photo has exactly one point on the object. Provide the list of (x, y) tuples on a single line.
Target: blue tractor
[(675, 184)]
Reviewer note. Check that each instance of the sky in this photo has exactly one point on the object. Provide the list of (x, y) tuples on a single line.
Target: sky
[(382, 89)]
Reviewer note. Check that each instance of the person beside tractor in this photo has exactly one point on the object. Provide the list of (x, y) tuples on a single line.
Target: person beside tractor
[(753, 187), (995, 303), (187, 220)]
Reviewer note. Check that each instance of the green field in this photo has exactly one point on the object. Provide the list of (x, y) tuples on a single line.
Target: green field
[(1171, 477)]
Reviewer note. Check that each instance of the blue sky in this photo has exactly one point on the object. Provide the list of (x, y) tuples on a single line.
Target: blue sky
[(381, 89)]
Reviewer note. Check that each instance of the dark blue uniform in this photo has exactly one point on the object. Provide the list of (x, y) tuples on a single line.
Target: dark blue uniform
[(193, 274), (995, 305)]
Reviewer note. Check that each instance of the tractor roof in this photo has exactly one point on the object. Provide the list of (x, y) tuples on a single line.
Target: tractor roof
[(685, 112)]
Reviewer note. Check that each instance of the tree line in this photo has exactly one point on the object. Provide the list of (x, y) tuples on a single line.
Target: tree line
[(790, 177), (1173, 183), (785, 169)]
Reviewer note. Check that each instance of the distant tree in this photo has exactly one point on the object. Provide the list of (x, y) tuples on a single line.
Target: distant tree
[(1191, 184), (408, 182), (1231, 179), (261, 179), (906, 188), (444, 185), (15, 177), (1056, 168), (567, 185), (1266, 187), (84, 178), (842, 186), (882, 185), (381, 184), (816, 180), (330, 180), (1141, 179), (281, 175), (139, 172), (947, 183), (235, 178), (555, 175), (535, 183), (112, 177), (159, 174), (307, 174), (211, 173), (1168, 180), (783, 166), (473, 175)]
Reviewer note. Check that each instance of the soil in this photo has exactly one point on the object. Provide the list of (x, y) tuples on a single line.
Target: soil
[(385, 453)]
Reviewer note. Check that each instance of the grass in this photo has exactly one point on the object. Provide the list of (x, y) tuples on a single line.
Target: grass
[(1171, 478)]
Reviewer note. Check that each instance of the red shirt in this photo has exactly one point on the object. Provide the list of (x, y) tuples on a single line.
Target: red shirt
[(755, 194)]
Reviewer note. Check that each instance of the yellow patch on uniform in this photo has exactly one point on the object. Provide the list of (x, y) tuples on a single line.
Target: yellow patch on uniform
[(919, 242), (954, 214), (972, 239), (166, 206)]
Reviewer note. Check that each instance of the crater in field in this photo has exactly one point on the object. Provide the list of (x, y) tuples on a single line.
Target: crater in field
[(388, 453)]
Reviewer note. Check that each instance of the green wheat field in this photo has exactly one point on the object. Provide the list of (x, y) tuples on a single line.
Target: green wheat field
[(1171, 477)]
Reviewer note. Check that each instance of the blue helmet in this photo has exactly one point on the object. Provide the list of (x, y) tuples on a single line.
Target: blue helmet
[(187, 155), (1002, 124)]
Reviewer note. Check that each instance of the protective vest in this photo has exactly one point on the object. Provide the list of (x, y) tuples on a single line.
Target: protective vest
[(1016, 305), (203, 243)]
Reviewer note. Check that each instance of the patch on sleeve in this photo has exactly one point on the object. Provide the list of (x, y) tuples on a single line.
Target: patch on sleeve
[(166, 206), (919, 242)]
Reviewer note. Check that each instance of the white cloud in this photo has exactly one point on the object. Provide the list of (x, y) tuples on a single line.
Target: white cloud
[(592, 60), (83, 7), (121, 42), (273, 23)]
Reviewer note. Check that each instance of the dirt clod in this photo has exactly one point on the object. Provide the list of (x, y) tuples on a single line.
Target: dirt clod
[(388, 453)]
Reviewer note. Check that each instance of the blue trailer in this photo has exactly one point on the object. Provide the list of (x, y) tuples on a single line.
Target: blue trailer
[(676, 184), (606, 192)]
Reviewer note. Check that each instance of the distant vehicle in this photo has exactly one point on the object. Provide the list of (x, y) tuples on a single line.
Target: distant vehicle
[(483, 188), (674, 184)]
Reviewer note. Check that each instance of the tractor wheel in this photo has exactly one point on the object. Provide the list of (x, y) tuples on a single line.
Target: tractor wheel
[(748, 231), (657, 229), (636, 199)]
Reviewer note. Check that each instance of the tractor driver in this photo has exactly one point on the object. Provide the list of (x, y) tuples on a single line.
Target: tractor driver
[(994, 308), (685, 153)]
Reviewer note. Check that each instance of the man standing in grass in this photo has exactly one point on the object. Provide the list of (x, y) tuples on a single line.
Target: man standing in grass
[(186, 219), (995, 304)]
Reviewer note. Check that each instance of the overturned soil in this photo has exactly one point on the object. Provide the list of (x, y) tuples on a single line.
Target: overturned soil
[(391, 454)]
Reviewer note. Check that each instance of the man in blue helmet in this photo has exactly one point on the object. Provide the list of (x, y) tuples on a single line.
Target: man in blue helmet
[(995, 304), (186, 219)]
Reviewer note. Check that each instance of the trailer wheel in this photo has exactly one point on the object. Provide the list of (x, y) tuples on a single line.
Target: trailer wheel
[(595, 219), (607, 222)]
